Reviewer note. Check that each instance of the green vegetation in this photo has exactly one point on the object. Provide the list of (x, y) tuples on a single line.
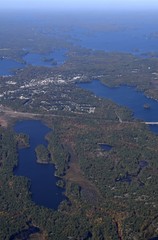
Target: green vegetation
[(42, 154), (132, 144), (60, 155), (22, 140), (17, 209), (110, 194)]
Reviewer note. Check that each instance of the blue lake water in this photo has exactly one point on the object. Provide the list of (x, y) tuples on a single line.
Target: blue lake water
[(105, 147), (126, 32), (6, 66), (125, 96), (119, 41), (134, 33), (128, 97), (55, 58), (43, 182)]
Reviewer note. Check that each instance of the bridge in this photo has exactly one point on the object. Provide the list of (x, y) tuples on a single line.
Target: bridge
[(121, 121), (15, 114), (151, 123)]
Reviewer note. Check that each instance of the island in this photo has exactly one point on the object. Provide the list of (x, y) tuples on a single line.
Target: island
[(42, 153), (146, 106)]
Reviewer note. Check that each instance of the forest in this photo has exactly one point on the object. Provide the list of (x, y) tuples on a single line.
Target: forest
[(109, 193)]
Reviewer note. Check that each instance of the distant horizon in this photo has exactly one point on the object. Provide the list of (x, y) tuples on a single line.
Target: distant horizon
[(92, 11), (83, 5)]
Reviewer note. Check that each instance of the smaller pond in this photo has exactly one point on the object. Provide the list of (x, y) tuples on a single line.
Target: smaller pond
[(25, 234), (126, 178), (43, 182), (143, 164), (105, 147), (129, 177)]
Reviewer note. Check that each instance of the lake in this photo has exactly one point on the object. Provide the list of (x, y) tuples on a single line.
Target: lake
[(55, 58), (128, 97), (119, 32), (7, 66), (110, 32), (43, 182)]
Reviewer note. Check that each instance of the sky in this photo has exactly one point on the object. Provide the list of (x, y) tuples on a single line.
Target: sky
[(80, 4)]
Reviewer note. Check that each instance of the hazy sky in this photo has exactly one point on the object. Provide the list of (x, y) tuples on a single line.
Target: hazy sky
[(80, 4)]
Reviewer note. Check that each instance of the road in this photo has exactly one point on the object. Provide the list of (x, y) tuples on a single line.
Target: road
[(15, 114)]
